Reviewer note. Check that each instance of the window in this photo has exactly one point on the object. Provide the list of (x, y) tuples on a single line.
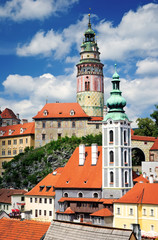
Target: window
[(126, 177), (97, 126), (59, 135), (87, 86), (21, 141), (73, 124), (111, 135), (131, 211), (124, 225), (22, 198), (9, 142), (152, 227), (118, 211), (36, 213), (26, 140), (111, 177), (150, 169), (125, 137), (80, 195), (152, 212), (50, 200), (95, 195), (31, 200), (40, 200), (45, 200), (20, 150), (111, 156), (14, 141), (45, 213), (9, 152), (59, 124), (43, 124), (14, 152), (144, 211), (40, 212), (35, 200), (3, 152), (78, 204), (3, 143), (43, 136), (125, 157), (66, 195), (50, 213)]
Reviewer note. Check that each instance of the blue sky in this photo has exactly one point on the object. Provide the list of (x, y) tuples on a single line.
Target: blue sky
[(40, 44)]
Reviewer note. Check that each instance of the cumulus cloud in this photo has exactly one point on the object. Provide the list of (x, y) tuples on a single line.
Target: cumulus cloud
[(18, 10), (147, 66)]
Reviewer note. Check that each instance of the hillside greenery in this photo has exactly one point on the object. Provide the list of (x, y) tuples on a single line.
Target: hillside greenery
[(26, 169)]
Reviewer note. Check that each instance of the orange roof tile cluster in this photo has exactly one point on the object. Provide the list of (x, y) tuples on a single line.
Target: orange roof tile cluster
[(143, 138), (155, 145), (17, 130), (5, 194), (67, 211), (96, 118), (132, 132), (67, 199), (22, 230), (145, 193), (85, 176), (8, 113), (46, 186), (104, 212), (61, 110), (141, 179)]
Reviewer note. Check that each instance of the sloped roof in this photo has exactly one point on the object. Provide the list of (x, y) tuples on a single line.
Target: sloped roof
[(141, 179), (96, 118), (145, 193), (11, 229), (86, 176), (155, 145), (46, 186), (8, 113), (5, 194), (67, 199), (61, 110), (77, 231), (28, 128), (143, 138), (104, 212), (67, 211)]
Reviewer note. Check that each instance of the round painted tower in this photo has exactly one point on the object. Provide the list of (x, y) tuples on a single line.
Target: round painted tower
[(90, 83)]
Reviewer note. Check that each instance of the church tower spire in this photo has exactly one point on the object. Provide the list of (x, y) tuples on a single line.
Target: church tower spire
[(90, 86), (116, 144)]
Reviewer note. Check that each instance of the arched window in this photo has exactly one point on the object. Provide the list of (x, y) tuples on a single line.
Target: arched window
[(111, 156), (125, 138), (125, 156), (95, 195), (65, 194), (80, 195), (87, 86), (126, 177), (111, 177), (111, 135)]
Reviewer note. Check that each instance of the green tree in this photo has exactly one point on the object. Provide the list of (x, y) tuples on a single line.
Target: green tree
[(154, 115), (146, 127)]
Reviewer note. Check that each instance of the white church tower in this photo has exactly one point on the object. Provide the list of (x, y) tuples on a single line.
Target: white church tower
[(116, 144)]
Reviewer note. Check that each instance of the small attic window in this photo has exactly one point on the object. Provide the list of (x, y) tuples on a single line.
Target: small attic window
[(55, 172), (22, 130), (45, 113), (41, 188), (60, 112), (1, 133), (67, 181), (48, 188), (72, 112), (10, 131), (85, 181)]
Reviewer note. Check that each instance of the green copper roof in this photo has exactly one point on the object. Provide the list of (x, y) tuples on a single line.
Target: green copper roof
[(116, 102)]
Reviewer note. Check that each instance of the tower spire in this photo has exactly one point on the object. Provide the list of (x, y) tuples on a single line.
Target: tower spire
[(89, 23)]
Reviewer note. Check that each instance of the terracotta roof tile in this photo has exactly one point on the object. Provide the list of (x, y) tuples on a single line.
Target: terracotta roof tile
[(155, 145), (105, 212), (46, 186), (101, 200), (67, 211), (22, 230), (8, 113), (86, 176), (61, 110), (145, 193), (143, 138), (15, 130), (141, 179), (5, 194), (96, 118)]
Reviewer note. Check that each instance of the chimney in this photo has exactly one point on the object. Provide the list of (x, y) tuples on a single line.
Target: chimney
[(17, 115), (151, 179), (94, 149), (81, 154)]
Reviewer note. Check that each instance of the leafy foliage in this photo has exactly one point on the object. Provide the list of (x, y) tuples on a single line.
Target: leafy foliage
[(27, 169)]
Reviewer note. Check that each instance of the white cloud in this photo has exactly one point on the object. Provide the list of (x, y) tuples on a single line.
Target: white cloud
[(147, 66), (18, 10)]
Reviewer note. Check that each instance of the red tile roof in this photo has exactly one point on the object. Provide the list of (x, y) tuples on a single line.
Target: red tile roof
[(145, 193), (140, 179), (28, 128), (61, 110), (101, 200), (22, 230), (8, 113), (67, 211), (86, 176), (155, 145), (143, 138), (96, 118), (5, 194), (132, 132), (46, 186), (105, 212)]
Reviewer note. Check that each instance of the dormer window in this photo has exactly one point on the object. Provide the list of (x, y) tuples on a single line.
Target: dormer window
[(48, 188), (41, 188), (45, 113), (72, 112), (2, 133), (22, 130), (10, 131)]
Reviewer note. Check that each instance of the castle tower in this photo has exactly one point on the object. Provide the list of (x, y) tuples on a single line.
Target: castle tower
[(116, 144), (90, 84)]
